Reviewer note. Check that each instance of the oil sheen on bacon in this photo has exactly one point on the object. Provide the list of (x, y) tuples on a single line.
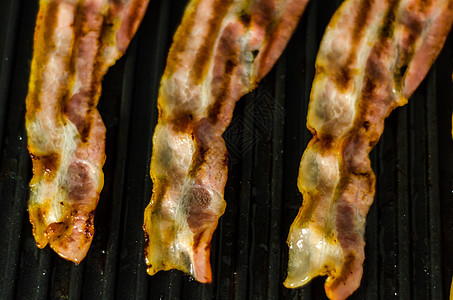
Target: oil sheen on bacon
[(373, 56), (220, 52), (75, 43)]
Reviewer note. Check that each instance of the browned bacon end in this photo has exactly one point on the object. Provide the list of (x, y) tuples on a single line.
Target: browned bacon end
[(75, 43), (373, 56), (220, 52)]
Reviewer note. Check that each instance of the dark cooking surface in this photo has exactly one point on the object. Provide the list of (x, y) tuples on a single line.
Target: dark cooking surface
[(409, 251)]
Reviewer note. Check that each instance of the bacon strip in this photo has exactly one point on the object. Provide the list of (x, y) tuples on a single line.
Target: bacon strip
[(373, 56), (74, 45), (451, 289), (220, 52)]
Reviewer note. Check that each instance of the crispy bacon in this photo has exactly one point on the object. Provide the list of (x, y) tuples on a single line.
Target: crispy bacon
[(74, 45), (220, 52), (373, 56)]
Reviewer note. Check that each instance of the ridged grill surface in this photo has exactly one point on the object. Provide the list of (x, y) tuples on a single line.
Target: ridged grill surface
[(409, 233)]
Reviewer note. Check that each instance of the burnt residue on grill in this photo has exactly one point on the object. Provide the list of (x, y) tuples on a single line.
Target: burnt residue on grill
[(409, 233)]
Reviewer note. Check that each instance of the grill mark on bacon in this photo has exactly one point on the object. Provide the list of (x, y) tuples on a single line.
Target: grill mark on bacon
[(344, 77), (227, 49), (86, 100), (161, 188), (200, 66), (129, 26), (389, 21), (423, 59), (415, 29), (180, 44), (87, 122), (46, 165), (425, 5), (361, 21), (199, 88), (182, 122), (199, 158), (49, 25), (196, 200), (46, 44), (80, 185), (263, 15), (275, 34), (36, 217), (56, 230), (345, 271), (64, 101), (245, 18), (89, 228), (197, 240), (414, 26), (382, 90)]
